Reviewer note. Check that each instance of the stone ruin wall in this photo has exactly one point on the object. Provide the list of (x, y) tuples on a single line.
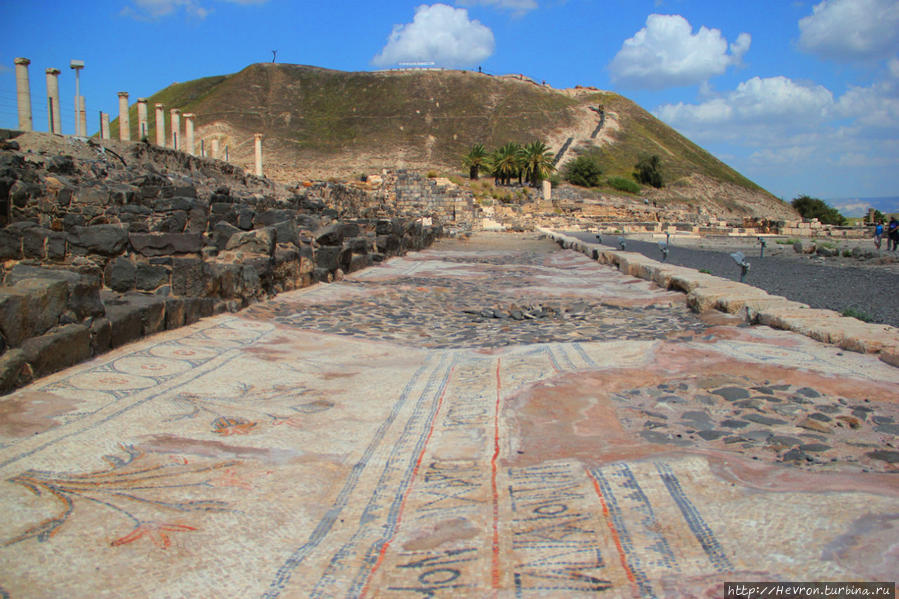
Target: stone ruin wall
[(98, 252)]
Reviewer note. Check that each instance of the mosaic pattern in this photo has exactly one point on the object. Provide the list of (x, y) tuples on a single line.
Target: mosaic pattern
[(270, 454), (798, 426), (443, 310)]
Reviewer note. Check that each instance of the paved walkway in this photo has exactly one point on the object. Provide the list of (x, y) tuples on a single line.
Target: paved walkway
[(492, 418)]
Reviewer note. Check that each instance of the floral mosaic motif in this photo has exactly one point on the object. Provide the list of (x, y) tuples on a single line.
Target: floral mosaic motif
[(149, 492), (274, 405)]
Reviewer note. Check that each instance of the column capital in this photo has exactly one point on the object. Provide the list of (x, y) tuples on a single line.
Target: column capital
[(22, 61), (257, 136), (188, 115), (123, 94), (52, 71), (176, 111), (141, 100)]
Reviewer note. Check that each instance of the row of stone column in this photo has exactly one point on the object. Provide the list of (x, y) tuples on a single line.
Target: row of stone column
[(188, 144)]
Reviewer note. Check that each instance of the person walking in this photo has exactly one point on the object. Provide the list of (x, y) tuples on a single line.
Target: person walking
[(893, 234), (878, 234)]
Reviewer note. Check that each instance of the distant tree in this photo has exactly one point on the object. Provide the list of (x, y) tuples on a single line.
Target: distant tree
[(649, 171), (878, 216), (584, 171), (506, 163), (809, 207), (538, 162), (475, 160)]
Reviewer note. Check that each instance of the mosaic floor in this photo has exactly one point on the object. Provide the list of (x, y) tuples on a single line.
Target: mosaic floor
[(385, 436)]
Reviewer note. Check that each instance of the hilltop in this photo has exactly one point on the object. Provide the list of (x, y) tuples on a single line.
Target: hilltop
[(320, 123)]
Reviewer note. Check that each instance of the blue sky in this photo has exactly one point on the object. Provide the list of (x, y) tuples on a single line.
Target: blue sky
[(800, 96)]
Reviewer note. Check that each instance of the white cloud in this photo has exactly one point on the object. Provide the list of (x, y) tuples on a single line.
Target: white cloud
[(846, 30), (519, 7), (666, 53), (440, 34), (151, 10), (758, 104)]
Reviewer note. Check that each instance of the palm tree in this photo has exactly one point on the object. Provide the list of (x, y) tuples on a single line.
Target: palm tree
[(506, 163), (475, 160), (538, 162)]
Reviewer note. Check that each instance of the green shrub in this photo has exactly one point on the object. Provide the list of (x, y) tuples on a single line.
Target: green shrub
[(853, 313), (649, 171), (432, 174), (583, 171), (785, 241), (622, 184), (810, 207)]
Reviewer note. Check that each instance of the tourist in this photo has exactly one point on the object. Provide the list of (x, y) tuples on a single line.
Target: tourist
[(893, 234), (878, 234)]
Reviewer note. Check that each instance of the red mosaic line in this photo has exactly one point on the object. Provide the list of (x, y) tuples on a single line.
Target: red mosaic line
[(495, 566), (399, 516), (608, 518)]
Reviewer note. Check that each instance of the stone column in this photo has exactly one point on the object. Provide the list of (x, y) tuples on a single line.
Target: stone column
[(54, 121), (215, 148), (258, 139), (160, 125), (82, 116), (547, 191), (104, 125), (176, 127), (124, 120), (189, 132), (143, 128), (23, 94)]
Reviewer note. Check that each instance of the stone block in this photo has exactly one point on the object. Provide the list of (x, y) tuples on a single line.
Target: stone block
[(187, 276), (150, 276), (14, 370), (107, 240), (172, 204), (359, 261), (332, 257), (122, 193), (101, 335), (30, 308), (269, 218), (172, 222), (34, 242), (126, 322), (120, 274), (152, 311), (163, 244), (259, 241), (10, 245), (286, 232), (61, 348), (174, 313), (222, 232)]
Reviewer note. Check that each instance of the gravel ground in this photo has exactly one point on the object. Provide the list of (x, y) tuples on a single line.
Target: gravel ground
[(872, 290)]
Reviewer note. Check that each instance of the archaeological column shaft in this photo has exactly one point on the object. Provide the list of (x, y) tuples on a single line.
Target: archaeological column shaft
[(54, 120), (104, 125), (23, 94), (176, 127), (143, 129), (124, 120), (189, 132), (258, 142), (160, 125)]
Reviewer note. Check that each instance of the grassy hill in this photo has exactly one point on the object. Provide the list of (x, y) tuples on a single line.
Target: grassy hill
[(322, 123)]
